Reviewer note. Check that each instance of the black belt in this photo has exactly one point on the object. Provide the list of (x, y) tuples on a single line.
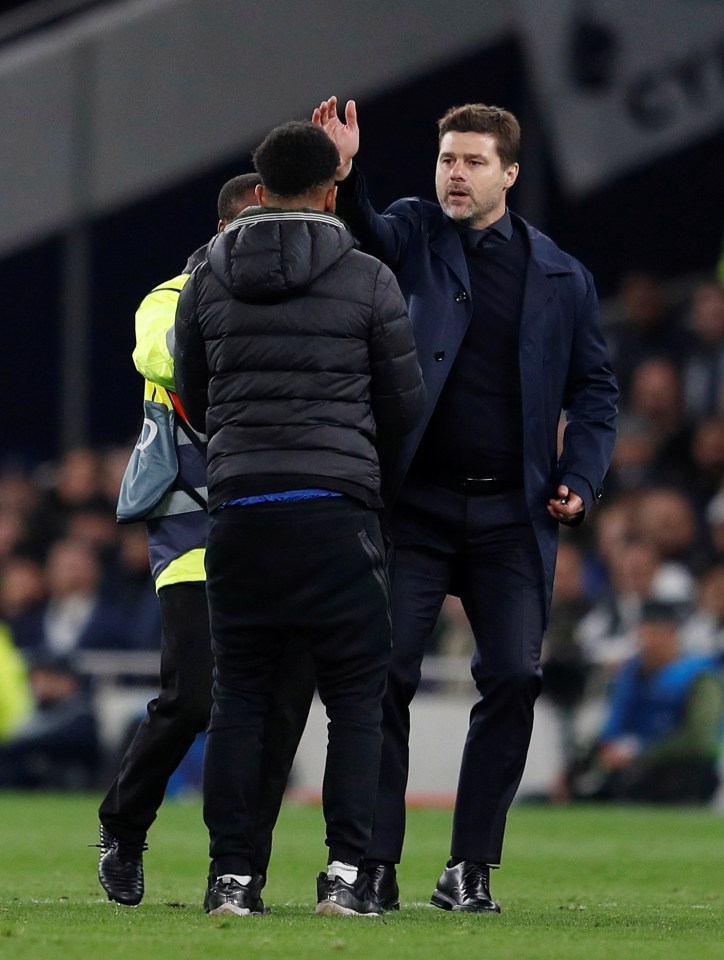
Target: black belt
[(474, 486)]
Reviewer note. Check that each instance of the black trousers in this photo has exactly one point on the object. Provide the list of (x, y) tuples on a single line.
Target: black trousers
[(181, 711), (309, 573), (483, 549)]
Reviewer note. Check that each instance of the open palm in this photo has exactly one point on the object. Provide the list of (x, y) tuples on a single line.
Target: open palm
[(345, 136)]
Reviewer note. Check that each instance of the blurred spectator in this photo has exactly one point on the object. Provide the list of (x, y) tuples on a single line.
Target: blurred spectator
[(666, 520), (133, 588), (715, 526), (18, 496), (612, 527), (75, 616), (75, 485), (57, 746), (704, 631), (18, 491), (644, 328), (703, 372), (113, 466), (657, 399), (565, 664), (638, 575), (12, 525), (564, 660), (662, 738), (633, 466), (22, 587), (708, 456), (15, 696), (94, 524)]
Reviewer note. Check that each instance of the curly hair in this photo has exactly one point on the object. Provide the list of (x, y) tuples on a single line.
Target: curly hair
[(295, 158)]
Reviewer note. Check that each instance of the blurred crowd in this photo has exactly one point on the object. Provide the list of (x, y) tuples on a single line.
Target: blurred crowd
[(73, 580)]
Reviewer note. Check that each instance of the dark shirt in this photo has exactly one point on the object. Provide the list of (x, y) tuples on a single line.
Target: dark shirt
[(476, 429)]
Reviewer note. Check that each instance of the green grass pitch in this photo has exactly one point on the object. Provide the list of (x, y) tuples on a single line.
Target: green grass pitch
[(578, 883)]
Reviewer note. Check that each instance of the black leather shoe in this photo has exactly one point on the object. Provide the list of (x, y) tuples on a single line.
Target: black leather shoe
[(120, 869), (383, 882), (465, 887)]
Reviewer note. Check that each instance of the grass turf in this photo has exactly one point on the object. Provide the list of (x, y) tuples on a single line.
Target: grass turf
[(584, 882)]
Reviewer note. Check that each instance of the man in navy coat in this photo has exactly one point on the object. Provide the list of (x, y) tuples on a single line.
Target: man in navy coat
[(508, 337)]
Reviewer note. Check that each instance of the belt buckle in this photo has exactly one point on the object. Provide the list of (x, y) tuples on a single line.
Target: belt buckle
[(476, 483)]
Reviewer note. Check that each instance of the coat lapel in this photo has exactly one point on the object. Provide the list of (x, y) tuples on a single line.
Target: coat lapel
[(446, 245), (538, 291), (537, 311)]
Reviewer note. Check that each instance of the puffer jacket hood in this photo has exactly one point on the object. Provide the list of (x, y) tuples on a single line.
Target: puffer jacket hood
[(266, 256)]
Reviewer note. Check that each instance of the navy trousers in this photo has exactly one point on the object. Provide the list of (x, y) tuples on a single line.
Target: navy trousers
[(483, 549)]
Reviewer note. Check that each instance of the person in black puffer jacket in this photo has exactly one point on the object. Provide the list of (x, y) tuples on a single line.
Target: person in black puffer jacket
[(295, 355)]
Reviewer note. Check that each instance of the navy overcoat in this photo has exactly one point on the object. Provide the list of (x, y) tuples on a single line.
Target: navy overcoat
[(564, 365)]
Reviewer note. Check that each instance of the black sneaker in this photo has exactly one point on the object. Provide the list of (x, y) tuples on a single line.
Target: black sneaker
[(120, 868), (465, 887), (227, 895), (336, 896), (383, 883)]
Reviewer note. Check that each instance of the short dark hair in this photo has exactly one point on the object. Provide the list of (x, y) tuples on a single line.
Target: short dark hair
[(235, 191), (481, 118), (295, 159)]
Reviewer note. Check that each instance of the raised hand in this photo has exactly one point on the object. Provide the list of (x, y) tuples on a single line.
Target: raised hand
[(345, 136)]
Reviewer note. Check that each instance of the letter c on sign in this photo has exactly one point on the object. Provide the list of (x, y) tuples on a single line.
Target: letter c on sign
[(144, 440)]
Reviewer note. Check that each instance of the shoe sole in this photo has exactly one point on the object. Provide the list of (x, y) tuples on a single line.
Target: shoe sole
[(445, 903), (123, 903), (328, 908), (227, 909)]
